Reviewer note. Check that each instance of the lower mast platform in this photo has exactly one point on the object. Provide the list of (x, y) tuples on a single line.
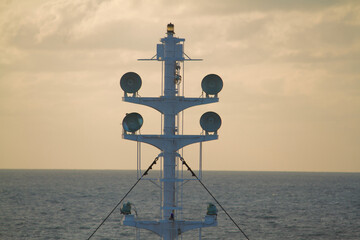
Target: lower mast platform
[(176, 227)]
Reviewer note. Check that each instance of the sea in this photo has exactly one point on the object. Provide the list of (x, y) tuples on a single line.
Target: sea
[(71, 204)]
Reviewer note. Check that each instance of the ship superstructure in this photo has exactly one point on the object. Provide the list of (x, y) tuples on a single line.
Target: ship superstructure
[(170, 52)]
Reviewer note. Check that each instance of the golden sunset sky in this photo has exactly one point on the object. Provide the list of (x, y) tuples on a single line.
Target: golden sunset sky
[(291, 72)]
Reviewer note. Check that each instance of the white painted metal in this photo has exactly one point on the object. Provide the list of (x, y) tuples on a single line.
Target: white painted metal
[(170, 104)]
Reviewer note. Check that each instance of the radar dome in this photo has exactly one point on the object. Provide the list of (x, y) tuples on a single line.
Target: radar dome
[(212, 84), (210, 121), (130, 82), (132, 122)]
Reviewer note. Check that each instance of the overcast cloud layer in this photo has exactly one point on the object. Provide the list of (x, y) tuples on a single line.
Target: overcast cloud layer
[(291, 97)]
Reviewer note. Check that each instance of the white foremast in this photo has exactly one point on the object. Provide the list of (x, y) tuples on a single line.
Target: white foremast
[(170, 104)]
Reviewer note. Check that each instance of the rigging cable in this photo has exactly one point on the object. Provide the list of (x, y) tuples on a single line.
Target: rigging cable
[(189, 169), (145, 173)]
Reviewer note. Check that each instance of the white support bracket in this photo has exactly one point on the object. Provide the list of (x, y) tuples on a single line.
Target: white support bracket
[(170, 142), (170, 105), (177, 226)]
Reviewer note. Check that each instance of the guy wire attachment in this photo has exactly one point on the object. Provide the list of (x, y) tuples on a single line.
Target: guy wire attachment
[(144, 174), (193, 174)]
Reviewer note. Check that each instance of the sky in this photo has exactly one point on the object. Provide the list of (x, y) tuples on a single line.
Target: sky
[(291, 73)]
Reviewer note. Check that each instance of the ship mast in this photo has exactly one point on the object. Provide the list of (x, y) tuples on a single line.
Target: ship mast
[(171, 52)]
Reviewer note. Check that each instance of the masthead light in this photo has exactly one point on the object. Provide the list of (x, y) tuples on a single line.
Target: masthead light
[(170, 28)]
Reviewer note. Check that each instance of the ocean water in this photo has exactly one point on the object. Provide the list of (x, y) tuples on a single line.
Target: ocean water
[(56, 204)]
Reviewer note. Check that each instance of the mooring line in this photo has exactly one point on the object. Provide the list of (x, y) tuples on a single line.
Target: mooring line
[(188, 168), (145, 173)]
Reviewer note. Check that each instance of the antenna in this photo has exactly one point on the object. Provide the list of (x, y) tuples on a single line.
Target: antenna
[(170, 52)]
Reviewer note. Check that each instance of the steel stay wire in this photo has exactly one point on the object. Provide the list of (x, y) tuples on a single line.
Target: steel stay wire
[(145, 173), (188, 168)]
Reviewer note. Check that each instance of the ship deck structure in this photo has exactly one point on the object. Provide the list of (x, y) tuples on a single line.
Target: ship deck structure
[(171, 103)]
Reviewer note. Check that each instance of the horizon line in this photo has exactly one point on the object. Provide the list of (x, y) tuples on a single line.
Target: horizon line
[(220, 170)]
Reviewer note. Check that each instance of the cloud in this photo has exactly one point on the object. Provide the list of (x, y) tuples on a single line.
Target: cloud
[(231, 7), (285, 65), (50, 19)]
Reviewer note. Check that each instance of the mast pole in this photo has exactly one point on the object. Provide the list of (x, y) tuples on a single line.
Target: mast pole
[(169, 203)]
